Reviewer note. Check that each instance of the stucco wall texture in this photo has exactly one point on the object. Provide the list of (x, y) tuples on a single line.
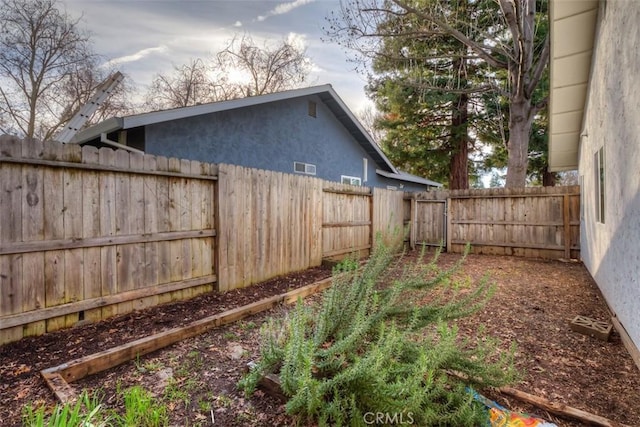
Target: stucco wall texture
[(271, 137), (611, 250)]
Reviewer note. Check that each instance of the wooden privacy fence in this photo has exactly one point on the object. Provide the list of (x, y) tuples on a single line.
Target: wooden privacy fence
[(86, 234), (532, 222), (89, 233)]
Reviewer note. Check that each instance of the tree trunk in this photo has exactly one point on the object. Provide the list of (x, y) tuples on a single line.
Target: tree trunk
[(518, 145), (459, 163), (548, 178)]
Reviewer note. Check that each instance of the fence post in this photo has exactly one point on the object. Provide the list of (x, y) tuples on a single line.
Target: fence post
[(372, 232), (567, 225), (447, 227), (413, 221)]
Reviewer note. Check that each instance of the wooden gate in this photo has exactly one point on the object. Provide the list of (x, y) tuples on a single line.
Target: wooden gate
[(429, 225)]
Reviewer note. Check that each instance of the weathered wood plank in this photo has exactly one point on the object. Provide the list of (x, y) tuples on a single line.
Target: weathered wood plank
[(150, 201), (63, 391), (224, 227), (91, 265), (54, 229), (84, 366), (108, 275), (95, 303), (103, 167), (54, 286), (124, 253), (560, 408), (10, 294), (73, 229), (33, 294), (77, 243), (162, 211)]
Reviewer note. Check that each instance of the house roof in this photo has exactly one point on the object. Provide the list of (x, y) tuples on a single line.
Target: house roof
[(325, 92), (407, 177), (573, 28)]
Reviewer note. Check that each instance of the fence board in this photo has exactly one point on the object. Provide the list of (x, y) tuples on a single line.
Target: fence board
[(33, 293), (11, 214)]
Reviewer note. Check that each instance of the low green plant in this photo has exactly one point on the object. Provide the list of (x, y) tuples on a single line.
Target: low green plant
[(148, 366), (142, 410), (223, 401), (364, 349), (86, 411), (247, 326), (204, 405), (230, 336), (180, 390), (348, 264)]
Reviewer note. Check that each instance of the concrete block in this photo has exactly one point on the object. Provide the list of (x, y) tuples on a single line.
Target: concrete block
[(594, 328)]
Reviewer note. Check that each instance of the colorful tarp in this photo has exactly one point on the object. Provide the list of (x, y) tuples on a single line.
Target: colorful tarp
[(499, 416)]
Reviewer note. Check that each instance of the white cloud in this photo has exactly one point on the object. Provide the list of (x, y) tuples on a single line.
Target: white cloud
[(283, 8), (237, 24), (299, 41), (137, 55)]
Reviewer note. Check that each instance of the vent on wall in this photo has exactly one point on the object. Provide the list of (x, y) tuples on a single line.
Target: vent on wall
[(306, 168), (312, 109)]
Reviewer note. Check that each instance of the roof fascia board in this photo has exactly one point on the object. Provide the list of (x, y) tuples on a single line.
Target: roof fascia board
[(408, 178), (110, 125), (214, 107)]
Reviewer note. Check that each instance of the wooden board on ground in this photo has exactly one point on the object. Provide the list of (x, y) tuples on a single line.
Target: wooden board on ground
[(80, 368)]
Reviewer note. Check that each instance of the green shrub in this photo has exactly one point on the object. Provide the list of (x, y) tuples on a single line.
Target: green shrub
[(367, 349)]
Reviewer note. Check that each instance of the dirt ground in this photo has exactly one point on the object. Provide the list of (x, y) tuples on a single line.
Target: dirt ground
[(196, 378)]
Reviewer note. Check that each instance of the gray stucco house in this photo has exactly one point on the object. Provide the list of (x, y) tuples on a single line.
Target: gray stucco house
[(303, 131), (594, 128)]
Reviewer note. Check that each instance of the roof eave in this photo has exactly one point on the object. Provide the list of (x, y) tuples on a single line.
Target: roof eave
[(573, 28), (110, 125), (408, 178)]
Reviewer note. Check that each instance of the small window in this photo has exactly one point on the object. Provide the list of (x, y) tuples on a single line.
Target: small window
[(312, 109), (598, 165), (353, 180), (305, 168)]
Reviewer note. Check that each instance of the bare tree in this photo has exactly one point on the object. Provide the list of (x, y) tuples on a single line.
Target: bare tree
[(512, 43), (268, 69), (369, 116), (188, 84), (79, 87), (43, 53), (241, 69)]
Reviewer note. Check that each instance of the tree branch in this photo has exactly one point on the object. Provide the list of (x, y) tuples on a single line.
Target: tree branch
[(462, 38), (543, 60)]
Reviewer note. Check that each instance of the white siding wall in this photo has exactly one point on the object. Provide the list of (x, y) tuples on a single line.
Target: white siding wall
[(611, 250)]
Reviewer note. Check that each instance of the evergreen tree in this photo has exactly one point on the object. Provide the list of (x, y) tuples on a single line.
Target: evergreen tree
[(428, 89), (512, 42)]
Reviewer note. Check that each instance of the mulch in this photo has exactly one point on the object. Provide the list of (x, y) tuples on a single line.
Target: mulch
[(534, 302)]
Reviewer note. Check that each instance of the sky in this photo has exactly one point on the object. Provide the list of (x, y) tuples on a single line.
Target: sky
[(141, 38)]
